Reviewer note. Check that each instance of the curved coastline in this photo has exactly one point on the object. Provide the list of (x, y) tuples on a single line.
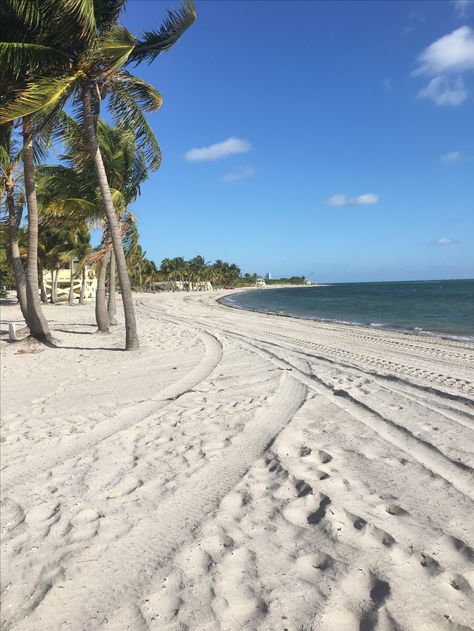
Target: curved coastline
[(390, 328)]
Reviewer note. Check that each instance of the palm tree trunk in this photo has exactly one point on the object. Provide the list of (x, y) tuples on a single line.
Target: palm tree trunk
[(36, 321), (54, 286), (17, 265), (56, 279), (71, 282), (83, 286), (44, 295), (131, 336), (112, 305), (101, 314)]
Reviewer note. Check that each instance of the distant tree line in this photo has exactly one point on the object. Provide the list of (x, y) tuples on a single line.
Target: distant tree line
[(293, 280), (196, 270), (220, 273)]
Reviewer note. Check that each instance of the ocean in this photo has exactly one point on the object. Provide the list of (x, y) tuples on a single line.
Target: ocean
[(438, 307)]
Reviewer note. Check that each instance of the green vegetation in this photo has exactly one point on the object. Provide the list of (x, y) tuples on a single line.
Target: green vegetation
[(57, 54), (293, 280)]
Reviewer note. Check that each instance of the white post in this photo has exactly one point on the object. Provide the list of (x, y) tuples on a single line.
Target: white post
[(12, 332)]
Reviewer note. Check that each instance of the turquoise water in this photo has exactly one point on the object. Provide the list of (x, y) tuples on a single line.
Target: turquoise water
[(443, 307)]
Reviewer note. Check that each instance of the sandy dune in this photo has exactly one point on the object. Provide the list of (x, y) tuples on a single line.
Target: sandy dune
[(242, 471)]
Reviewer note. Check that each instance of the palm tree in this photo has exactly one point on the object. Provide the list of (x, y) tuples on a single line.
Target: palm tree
[(79, 238), (67, 192), (10, 175), (21, 55), (57, 245), (101, 311), (96, 50)]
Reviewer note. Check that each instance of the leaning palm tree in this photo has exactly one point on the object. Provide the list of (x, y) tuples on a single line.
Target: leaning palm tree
[(96, 52)]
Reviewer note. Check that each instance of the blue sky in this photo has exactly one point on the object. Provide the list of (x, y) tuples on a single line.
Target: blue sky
[(337, 138)]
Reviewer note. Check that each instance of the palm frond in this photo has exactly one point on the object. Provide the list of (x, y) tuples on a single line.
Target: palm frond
[(107, 12), (6, 139), (71, 208), (45, 94), (113, 49), (19, 58), (118, 200), (83, 12), (129, 99), (41, 147), (155, 42), (146, 95), (137, 175), (28, 11)]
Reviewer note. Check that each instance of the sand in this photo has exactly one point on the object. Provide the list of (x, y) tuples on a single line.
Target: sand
[(241, 471)]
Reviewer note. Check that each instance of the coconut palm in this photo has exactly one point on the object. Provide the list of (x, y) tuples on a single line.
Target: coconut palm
[(95, 52), (23, 52), (70, 190), (10, 192)]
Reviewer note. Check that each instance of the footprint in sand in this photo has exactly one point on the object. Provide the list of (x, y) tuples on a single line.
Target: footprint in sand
[(378, 595), (320, 513), (303, 488), (460, 546), (43, 515), (12, 515), (84, 525), (310, 566), (124, 487), (459, 583), (395, 509), (324, 456), (358, 522), (383, 537), (432, 566)]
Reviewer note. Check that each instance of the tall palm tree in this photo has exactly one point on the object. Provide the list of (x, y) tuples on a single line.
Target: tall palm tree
[(26, 49), (10, 176), (96, 52)]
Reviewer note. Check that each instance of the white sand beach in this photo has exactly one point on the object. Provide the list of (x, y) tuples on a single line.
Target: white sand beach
[(241, 471)]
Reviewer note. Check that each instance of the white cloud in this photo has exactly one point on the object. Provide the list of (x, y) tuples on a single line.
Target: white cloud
[(445, 241), (451, 53), (341, 199), (368, 198), (444, 91), (462, 6), (228, 147), (387, 84), (451, 158), (237, 175)]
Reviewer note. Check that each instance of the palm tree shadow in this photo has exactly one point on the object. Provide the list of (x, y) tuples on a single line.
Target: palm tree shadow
[(75, 332), (90, 348)]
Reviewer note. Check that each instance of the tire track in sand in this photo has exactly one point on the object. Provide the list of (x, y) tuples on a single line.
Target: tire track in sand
[(151, 543), (22, 473), (455, 473)]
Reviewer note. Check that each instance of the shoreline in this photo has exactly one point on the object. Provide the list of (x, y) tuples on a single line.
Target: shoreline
[(384, 327), (240, 470)]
